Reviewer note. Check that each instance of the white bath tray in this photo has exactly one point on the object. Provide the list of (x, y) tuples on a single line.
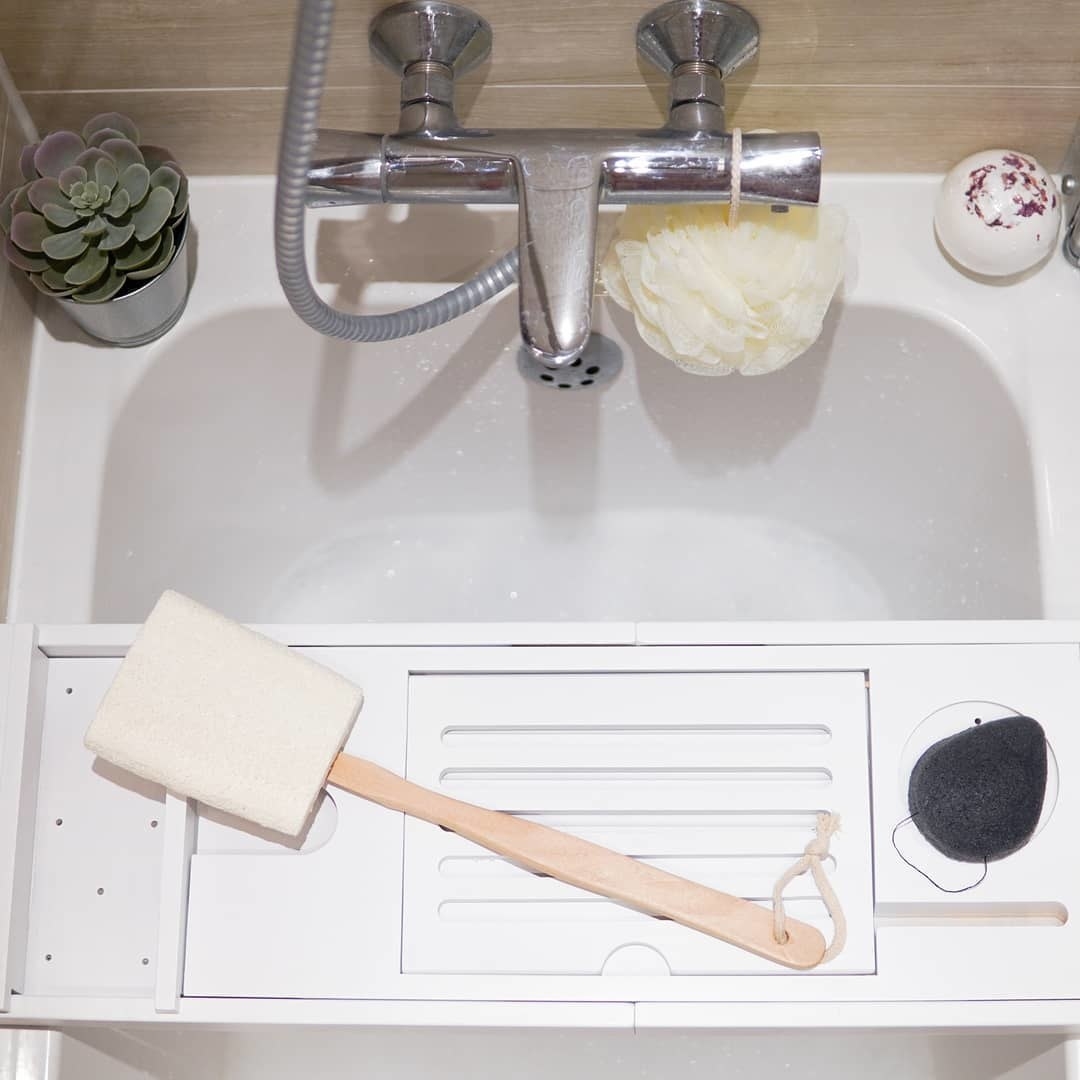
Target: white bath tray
[(705, 749)]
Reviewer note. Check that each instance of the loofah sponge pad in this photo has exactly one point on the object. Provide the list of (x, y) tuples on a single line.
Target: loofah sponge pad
[(716, 299), (219, 713)]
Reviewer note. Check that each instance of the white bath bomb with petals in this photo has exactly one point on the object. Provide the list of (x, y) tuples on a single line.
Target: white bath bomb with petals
[(998, 212), (715, 299)]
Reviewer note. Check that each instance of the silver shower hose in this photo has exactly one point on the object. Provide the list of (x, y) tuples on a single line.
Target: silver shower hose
[(298, 136)]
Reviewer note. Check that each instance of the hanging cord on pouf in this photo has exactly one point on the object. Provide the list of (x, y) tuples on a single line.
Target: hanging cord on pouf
[(813, 853), (736, 178)]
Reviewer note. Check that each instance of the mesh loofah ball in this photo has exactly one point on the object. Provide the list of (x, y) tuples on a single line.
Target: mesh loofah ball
[(715, 299)]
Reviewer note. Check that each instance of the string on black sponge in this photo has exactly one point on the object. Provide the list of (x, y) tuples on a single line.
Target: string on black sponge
[(919, 870)]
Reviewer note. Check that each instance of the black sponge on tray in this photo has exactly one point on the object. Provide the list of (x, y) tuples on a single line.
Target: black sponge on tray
[(977, 796)]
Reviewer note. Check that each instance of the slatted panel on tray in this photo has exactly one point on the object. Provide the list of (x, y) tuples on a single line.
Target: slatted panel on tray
[(715, 776)]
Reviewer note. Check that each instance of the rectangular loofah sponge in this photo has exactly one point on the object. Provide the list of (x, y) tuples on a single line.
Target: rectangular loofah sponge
[(219, 713)]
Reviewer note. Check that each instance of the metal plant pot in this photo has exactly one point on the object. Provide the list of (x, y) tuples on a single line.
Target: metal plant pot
[(140, 316)]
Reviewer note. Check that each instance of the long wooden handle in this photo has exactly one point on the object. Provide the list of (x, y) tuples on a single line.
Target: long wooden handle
[(588, 866)]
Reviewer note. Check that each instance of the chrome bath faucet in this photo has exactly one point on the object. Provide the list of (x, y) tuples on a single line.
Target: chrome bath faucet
[(559, 177), (1070, 190)]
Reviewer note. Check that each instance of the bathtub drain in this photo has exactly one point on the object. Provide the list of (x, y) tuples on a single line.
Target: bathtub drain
[(598, 365)]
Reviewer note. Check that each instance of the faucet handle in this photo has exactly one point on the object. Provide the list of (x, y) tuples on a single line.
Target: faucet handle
[(428, 43), (698, 31), (429, 31), (698, 43)]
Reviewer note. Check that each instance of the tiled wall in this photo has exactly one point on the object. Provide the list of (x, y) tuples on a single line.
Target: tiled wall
[(16, 321), (891, 84)]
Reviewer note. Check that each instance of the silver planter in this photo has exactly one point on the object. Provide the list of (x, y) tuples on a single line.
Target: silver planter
[(140, 316)]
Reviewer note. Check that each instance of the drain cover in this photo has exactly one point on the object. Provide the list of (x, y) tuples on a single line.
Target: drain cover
[(598, 365)]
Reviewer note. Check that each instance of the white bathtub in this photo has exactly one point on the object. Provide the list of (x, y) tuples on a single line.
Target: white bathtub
[(917, 464)]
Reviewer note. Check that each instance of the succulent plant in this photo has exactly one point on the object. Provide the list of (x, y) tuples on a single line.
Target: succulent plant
[(98, 214)]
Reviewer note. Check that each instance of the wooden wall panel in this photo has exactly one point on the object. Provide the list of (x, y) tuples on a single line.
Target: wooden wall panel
[(16, 326), (55, 45), (893, 84)]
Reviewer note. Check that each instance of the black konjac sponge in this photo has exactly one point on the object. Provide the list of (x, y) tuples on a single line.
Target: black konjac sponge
[(978, 795)]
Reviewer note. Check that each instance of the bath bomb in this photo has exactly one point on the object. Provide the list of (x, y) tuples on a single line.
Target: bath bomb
[(998, 212)]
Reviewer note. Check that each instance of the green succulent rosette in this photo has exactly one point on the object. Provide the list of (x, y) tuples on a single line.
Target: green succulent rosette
[(98, 214)]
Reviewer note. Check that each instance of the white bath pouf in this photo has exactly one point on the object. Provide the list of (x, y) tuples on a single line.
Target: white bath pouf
[(716, 299)]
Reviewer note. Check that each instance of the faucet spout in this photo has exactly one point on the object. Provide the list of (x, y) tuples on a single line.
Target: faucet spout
[(558, 209)]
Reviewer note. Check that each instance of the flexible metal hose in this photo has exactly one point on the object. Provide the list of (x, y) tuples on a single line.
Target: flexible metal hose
[(298, 136)]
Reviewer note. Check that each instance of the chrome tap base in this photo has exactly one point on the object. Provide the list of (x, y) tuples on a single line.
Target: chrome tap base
[(432, 32), (428, 43), (693, 31)]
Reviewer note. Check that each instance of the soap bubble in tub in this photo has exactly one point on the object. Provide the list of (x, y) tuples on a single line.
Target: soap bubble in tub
[(998, 213)]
